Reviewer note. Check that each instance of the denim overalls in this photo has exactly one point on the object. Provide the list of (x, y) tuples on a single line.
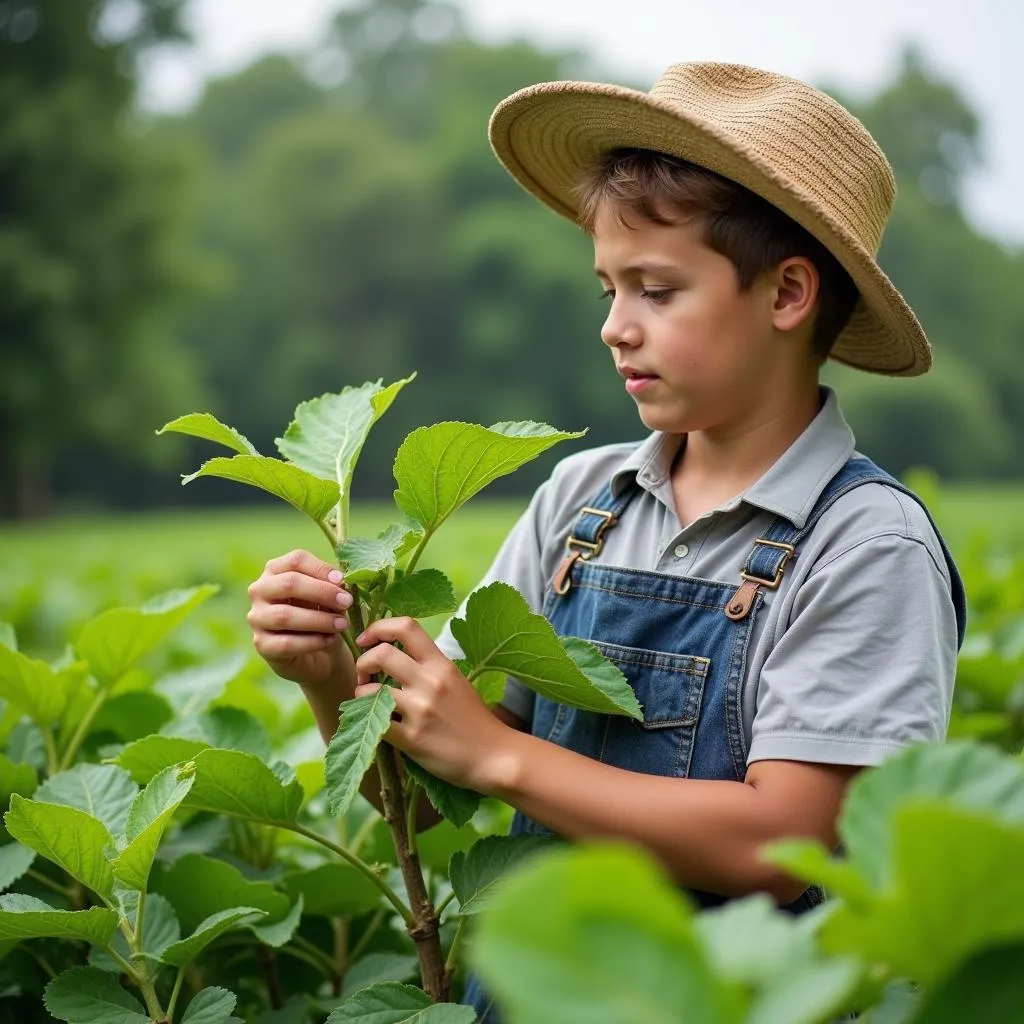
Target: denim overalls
[(682, 643)]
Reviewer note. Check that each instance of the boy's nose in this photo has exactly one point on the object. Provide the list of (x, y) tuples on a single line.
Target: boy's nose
[(619, 329)]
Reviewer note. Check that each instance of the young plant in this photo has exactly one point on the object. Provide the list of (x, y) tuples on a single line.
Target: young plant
[(438, 469)]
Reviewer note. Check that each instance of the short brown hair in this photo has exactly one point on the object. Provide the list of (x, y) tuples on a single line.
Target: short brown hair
[(754, 235)]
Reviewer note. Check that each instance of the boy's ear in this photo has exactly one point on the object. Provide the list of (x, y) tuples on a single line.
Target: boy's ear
[(796, 291)]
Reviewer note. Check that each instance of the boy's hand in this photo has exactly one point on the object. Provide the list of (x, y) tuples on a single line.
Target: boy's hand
[(298, 607), (444, 725)]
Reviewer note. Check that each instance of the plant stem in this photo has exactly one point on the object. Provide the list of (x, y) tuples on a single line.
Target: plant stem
[(417, 551), (125, 966), (412, 797), (52, 761), (423, 929), (312, 954), (83, 729), (137, 944), (357, 863), (174, 992), (453, 951), (364, 830), (268, 962), (443, 905), (42, 879), (150, 997), (326, 531), (368, 933)]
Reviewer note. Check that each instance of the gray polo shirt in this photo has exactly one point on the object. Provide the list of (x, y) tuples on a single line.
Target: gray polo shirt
[(851, 658)]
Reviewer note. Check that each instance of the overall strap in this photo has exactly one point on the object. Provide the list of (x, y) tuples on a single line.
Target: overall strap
[(587, 537), (770, 554)]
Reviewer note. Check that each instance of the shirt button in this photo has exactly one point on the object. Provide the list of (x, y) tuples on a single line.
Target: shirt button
[(680, 551)]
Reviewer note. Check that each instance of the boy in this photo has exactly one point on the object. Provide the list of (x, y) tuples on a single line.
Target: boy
[(785, 611)]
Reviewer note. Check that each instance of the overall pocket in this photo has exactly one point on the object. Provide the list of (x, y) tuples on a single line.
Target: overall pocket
[(670, 688)]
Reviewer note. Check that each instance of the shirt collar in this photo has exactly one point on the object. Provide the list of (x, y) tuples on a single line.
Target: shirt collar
[(790, 486)]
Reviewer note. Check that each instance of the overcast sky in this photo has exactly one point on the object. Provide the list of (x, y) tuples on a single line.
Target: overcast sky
[(854, 43)]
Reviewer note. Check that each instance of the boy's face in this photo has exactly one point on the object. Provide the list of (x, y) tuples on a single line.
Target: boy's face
[(696, 352)]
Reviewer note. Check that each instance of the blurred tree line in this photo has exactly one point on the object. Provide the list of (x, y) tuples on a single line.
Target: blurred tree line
[(319, 223)]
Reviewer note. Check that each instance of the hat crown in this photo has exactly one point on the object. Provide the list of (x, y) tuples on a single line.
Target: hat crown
[(810, 144)]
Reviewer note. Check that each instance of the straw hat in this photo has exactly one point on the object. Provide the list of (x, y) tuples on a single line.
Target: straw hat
[(783, 139)]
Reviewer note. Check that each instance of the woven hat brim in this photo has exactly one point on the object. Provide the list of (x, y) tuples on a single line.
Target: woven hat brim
[(547, 134)]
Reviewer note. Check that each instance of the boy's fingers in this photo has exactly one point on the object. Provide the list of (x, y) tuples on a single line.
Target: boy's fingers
[(294, 619), (283, 646), (389, 660), (404, 630), (307, 563), (293, 586)]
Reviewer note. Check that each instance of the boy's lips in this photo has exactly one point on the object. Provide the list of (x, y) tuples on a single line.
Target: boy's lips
[(636, 380)]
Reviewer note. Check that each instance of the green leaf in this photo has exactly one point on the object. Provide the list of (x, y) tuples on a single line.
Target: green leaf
[(198, 886), (333, 890), (70, 838), (8, 637), (375, 968), (210, 1006), (365, 558), (160, 928), (208, 930), (301, 490), (392, 1003), (476, 874), (85, 995), (117, 639), (964, 774), (280, 932), (192, 689), (751, 942), (500, 633), (439, 468), (364, 720), (422, 593), (208, 427), (25, 917), (143, 758), (132, 715), (15, 860), (329, 432), (615, 944), (148, 818), (437, 845), (230, 782), (490, 685), (227, 728), (455, 803), (809, 860), (101, 790), (949, 864), (987, 989), (15, 777), (35, 688)]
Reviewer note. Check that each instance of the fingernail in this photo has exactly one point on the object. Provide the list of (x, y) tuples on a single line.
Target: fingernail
[(341, 623), (335, 576), (360, 638), (344, 598)]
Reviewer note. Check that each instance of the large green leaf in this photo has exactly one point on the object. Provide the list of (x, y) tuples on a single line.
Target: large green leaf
[(208, 427), (375, 968), (160, 928), (8, 638), (117, 639), (329, 432), (775, 955), (392, 1003), (364, 559), (948, 865), (191, 689), (225, 727), (477, 874), (70, 838), (25, 917), (210, 1006), (102, 790), (143, 758), (35, 688), (86, 995), (278, 933), (987, 989), (198, 887), (301, 490), (422, 593), (230, 782), (439, 468), (15, 860), (615, 944), (208, 930), (500, 633), (364, 720), (333, 890), (148, 818), (455, 803), (15, 777), (132, 715)]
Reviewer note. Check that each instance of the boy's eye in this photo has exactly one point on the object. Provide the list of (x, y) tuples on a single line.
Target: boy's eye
[(608, 293), (656, 295)]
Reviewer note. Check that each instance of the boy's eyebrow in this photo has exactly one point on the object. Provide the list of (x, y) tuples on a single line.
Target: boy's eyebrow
[(643, 267)]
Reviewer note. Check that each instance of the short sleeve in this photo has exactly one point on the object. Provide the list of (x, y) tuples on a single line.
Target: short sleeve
[(867, 662), (518, 563)]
